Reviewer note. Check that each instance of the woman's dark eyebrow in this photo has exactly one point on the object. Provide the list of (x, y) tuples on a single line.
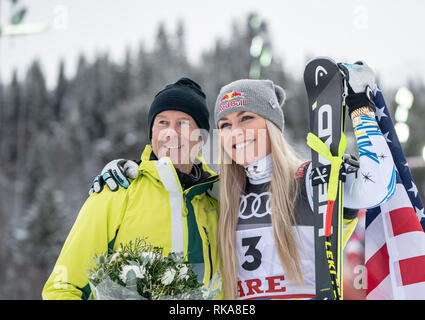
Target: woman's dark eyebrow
[(239, 114)]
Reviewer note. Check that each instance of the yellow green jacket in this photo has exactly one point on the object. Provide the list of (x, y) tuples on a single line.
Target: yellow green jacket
[(153, 206)]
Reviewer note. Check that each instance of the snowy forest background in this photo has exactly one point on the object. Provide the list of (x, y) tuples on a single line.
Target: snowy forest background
[(53, 142)]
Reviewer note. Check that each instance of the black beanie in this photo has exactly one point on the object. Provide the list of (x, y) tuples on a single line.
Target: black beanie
[(185, 95)]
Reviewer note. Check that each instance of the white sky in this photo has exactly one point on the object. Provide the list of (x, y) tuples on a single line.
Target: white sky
[(389, 36)]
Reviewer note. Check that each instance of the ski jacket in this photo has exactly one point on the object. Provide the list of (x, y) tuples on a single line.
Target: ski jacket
[(154, 206)]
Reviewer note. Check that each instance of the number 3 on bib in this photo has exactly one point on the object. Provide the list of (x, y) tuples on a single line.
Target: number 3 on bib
[(254, 262)]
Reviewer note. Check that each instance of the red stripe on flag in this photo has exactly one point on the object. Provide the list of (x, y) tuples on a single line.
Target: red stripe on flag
[(377, 268), (412, 270), (404, 220)]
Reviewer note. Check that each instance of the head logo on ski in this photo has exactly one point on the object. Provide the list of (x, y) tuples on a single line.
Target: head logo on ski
[(320, 72)]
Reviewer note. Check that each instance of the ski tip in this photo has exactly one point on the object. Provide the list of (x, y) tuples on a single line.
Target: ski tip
[(318, 73), (320, 58)]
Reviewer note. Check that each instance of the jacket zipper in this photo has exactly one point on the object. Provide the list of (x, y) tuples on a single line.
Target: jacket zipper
[(209, 252)]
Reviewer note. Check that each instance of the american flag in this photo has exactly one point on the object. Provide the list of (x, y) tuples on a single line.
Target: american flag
[(394, 236)]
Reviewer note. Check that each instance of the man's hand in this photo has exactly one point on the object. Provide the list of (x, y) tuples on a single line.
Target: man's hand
[(114, 174)]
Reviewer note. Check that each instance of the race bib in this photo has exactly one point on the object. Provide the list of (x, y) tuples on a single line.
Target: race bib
[(261, 275)]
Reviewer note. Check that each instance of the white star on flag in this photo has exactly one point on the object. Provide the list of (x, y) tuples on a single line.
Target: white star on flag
[(414, 189), (379, 113), (420, 213), (386, 137)]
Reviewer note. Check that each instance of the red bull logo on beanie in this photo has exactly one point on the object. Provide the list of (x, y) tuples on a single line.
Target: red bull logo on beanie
[(228, 101), (230, 96)]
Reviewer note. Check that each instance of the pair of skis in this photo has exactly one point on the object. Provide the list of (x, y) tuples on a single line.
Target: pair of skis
[(326, 86)]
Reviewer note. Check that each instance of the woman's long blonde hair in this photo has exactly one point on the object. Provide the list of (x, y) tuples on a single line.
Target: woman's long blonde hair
[(283, 189)]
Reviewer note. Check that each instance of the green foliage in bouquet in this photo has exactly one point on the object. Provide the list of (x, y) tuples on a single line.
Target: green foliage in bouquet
[(140, 271)]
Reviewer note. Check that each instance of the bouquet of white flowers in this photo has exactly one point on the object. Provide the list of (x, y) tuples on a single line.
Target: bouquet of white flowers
[(140, 271)]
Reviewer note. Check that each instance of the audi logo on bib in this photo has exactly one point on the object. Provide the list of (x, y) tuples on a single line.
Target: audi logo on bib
[(257, 209)]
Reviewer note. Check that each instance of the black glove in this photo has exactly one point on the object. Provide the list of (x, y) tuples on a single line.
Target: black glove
[(114, 174)]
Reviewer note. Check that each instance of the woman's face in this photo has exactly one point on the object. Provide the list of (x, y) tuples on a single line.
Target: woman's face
[(244, 137)]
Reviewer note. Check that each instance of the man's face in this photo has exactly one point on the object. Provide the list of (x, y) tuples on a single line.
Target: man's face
[(175, 135)]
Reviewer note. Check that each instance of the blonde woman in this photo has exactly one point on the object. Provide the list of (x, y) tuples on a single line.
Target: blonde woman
[(265, 228)]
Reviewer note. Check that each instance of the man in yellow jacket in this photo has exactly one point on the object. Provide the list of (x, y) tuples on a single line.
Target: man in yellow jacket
[(168, 202)]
